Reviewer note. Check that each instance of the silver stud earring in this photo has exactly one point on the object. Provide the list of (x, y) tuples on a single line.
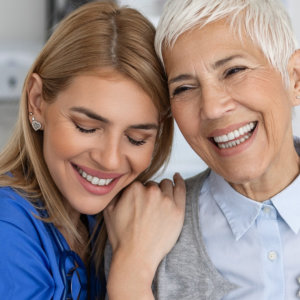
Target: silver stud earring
[(36, 125), (297, 97)]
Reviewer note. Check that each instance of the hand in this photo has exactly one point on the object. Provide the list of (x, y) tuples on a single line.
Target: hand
[(143, 225)]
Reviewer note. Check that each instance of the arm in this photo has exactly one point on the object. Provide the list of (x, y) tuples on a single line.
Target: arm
[(143, 226)]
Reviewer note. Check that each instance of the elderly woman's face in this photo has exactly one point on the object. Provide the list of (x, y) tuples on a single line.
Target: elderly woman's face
[(230, 104)]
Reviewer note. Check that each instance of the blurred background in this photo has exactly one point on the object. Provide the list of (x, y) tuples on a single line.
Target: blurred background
[(25, 26)]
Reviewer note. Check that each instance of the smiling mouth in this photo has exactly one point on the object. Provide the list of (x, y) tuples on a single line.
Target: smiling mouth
[(235, 137), (93, 179)]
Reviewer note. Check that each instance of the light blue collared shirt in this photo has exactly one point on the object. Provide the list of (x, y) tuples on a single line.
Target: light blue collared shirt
[(254, 245)]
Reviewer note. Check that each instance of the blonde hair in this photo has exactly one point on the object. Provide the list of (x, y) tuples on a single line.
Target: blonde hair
[(95, 36)]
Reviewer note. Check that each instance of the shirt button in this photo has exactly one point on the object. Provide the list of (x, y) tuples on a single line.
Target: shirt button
[(266, 210), (272, 255), (298, 280), (298, 294)]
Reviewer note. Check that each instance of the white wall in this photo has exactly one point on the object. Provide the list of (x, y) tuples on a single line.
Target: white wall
[(293, 7), (22, 21), (22, 34)]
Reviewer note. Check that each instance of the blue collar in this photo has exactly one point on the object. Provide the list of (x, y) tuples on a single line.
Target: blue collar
[(287, 203), (241, 212)]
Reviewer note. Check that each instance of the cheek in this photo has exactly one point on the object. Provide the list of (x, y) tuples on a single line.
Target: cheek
[(141, 159), (269, 88), (60, 144), (187, 116)]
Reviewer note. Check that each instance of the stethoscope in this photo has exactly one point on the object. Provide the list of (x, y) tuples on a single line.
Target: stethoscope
[(69, 274)]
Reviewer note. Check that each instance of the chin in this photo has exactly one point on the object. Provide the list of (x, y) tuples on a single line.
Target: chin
[(242, 175)]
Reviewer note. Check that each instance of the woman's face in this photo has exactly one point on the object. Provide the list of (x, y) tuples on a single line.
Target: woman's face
[(99, 135), (230, 104)]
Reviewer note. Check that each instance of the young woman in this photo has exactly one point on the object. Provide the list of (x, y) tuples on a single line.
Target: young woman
[(94, 117)]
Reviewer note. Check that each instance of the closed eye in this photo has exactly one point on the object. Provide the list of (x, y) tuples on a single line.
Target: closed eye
[(233, 71), (135, 142), (84, 130), (181, 89)]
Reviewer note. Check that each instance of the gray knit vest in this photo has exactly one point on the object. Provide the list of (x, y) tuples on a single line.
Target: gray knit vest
[(187, 272)]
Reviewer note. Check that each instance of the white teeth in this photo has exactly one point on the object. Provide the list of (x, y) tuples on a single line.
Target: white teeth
[(95, 180), (232, 138), (234, 135), (234, 143), (102, 181)]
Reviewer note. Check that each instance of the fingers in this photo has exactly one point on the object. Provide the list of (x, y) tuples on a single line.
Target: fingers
[(167, 187), (176, 191), (179, 191), (111, 205), (109, 209), (151, 183)]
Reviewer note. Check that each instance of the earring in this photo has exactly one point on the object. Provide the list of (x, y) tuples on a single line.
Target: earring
[(297, 97), (36, 125)]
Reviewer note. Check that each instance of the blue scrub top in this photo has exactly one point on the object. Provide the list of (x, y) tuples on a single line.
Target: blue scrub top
[(29, 256)]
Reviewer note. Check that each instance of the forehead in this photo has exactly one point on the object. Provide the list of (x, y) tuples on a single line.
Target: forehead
[(112, 95), (209, 44)]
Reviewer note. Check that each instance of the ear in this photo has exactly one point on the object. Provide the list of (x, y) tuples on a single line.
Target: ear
[(35, 98), (294, 71)]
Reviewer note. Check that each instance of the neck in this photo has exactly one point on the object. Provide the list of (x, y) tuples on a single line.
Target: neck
[(276, 178)]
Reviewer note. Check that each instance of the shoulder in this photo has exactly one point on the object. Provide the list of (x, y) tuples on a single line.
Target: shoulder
[(195, 183), (17, 214), (12, 204)]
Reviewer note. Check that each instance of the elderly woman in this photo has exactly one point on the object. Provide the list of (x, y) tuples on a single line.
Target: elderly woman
[(234, 76)]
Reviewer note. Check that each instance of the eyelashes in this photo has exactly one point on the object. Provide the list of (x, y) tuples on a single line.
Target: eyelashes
[(190, 87), (135, 142), (92, 130), (83, 130), (233, 71), (181, 89)]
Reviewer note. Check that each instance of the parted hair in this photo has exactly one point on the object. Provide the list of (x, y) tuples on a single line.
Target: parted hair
[(97, 35), (266, 22)]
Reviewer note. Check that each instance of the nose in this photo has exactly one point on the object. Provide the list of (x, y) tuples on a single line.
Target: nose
[(215, 102), (108, 153)]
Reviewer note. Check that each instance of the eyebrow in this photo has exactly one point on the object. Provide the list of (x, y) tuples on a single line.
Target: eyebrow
[(89, 114), (181, 77), (92, 115), (225, 60), (215, 66)]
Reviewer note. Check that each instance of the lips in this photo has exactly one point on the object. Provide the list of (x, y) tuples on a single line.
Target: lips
[(235, 137), (94, 179), (96, 182)]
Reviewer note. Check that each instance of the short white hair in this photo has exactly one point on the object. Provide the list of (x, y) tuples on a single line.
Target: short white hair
[(265, 21)]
